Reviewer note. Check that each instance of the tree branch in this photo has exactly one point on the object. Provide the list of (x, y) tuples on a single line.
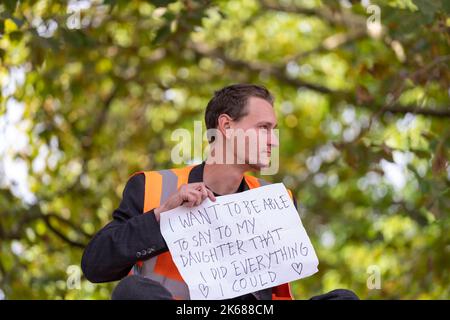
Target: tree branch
[(277, 72), (34, 213), (99, 121), (62, 236), (337, 17), (330, 43), (438, 112), (70, 224)]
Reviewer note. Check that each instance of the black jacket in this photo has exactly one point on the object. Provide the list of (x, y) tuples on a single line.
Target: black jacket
[(131, 236)]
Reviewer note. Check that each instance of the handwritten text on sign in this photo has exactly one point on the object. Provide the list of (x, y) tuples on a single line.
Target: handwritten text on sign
[(241, 243)]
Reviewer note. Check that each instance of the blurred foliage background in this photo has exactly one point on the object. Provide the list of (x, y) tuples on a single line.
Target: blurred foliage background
[(92, 90)]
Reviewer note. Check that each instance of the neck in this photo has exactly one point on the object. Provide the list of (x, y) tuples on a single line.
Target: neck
[(223, 178)]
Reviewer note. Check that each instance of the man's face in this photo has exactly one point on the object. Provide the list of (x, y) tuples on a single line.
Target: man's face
[(254, 135)]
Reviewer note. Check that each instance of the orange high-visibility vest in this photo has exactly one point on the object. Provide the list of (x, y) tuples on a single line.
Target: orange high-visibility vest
[(159, 185)]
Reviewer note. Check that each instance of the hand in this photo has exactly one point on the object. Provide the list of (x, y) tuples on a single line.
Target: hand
[(189, 195)]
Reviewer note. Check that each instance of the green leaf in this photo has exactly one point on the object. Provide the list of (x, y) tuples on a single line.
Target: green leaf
[(16, 35), (162, 34), (162, 3), (10, 5), (428, 8)]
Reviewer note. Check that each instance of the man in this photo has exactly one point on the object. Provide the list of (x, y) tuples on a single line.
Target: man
[(132, 242)]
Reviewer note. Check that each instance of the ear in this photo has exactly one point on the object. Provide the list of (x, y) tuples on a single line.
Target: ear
[(224, 122)]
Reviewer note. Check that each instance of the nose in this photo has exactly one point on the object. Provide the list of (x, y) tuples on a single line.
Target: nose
[(273, 139)]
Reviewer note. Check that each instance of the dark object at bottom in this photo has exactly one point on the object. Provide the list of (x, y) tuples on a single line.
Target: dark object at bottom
[(338, 294), (139, 288)]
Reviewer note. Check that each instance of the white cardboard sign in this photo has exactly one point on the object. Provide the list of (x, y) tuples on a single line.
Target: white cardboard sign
[(241, 243)]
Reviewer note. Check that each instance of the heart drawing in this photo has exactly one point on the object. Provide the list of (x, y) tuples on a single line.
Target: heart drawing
[(298, 267), (203, 289)]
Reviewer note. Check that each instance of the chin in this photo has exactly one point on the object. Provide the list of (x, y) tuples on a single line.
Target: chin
[(258, 166)]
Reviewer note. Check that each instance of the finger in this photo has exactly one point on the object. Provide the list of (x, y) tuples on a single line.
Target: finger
[(204, 192), (190, 200), (195, 185), (211, 195), (198, 196)]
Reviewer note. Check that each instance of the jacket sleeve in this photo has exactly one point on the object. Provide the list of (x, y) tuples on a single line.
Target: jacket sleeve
[(130, 237)]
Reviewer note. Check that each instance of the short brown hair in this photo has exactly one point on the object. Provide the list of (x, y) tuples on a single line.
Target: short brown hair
[(232, 101)]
